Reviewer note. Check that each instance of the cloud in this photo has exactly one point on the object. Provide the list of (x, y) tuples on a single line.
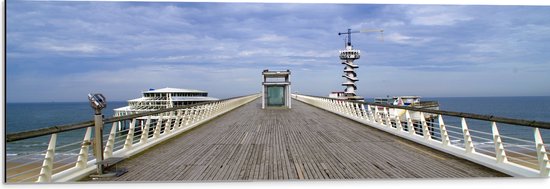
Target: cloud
[(404, 39), (199, 45), (443, 19), (378, 24), (437, 15), (271, 38), (70, 48)]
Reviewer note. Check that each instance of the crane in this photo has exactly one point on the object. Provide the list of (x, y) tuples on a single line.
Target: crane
[(360, 31)]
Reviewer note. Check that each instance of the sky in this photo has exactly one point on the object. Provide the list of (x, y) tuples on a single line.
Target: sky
[(61, 51)]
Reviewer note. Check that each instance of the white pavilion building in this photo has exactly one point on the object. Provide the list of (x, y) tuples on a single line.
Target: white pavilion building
[(155, 99)]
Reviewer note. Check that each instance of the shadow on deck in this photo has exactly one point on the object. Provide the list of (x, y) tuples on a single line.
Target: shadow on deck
[(305, 142)]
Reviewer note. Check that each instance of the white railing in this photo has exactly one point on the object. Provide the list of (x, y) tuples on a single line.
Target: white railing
[(507, 154), (126, 137)]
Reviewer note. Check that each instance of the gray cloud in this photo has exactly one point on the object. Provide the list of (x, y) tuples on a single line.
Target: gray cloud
[(77, 47)]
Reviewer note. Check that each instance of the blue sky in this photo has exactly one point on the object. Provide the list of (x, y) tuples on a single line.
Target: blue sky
[(60, 51)]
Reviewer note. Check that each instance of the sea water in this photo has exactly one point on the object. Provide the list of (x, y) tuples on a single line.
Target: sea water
[(526, 108), (29, 116)]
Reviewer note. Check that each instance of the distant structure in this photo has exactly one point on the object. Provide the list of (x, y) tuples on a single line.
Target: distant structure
[(276, 89), (348, 55), (156, 99)]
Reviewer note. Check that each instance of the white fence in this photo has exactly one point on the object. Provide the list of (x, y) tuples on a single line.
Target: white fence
[(140, 134), (517, 157)]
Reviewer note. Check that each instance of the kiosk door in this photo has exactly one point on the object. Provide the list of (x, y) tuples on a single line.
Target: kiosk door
[(275, 96)]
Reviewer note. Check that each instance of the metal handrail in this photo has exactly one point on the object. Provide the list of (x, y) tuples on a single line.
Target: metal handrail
[(11, 137), (417, 130), (520, 122), (153, 132)]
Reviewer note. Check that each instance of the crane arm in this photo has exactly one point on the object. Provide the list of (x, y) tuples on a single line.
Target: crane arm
[(360, 31), (366, 31)]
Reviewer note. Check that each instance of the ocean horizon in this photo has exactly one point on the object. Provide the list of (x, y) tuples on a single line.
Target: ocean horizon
[(24, 116), (369, 98)]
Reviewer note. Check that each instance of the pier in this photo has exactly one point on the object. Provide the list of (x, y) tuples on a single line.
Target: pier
[(319, 138), (300, 143)]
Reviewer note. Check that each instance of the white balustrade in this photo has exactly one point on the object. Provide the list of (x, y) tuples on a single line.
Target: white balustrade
[(47, 165), (499, 146), (82, 159), (468, 143), (108, 152), (444, 134), (372, 116), (167, 125), (542, 156), (178, 121)]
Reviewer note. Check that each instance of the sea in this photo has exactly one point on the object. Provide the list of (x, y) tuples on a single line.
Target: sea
[(29, 116)]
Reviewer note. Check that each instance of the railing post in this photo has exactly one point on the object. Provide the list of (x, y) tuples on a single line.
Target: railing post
[(410, 125), (214, 109), (130, 137), (468, 143), (183, 121), (209, 110), (192, 115), (349, 108), (355, 110), (168, 127), (443, 131), (425, 129), (339, 106), (499, 147), (364, 112), (398, 123), (156, 133), (217, 107), (204, 112), (544, 165), (376, 115), (370, 114), (145, 131), (200, 112), (110, 142), (82, 160), (179, 119), (388, 120), (335, 106), (187, 116), (47, 165), (383, 119)]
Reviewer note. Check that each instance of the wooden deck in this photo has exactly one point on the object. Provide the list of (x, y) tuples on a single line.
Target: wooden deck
[(302, 143)]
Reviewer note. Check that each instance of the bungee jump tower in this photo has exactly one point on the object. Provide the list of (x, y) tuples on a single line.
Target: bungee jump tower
[(348, 56)]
